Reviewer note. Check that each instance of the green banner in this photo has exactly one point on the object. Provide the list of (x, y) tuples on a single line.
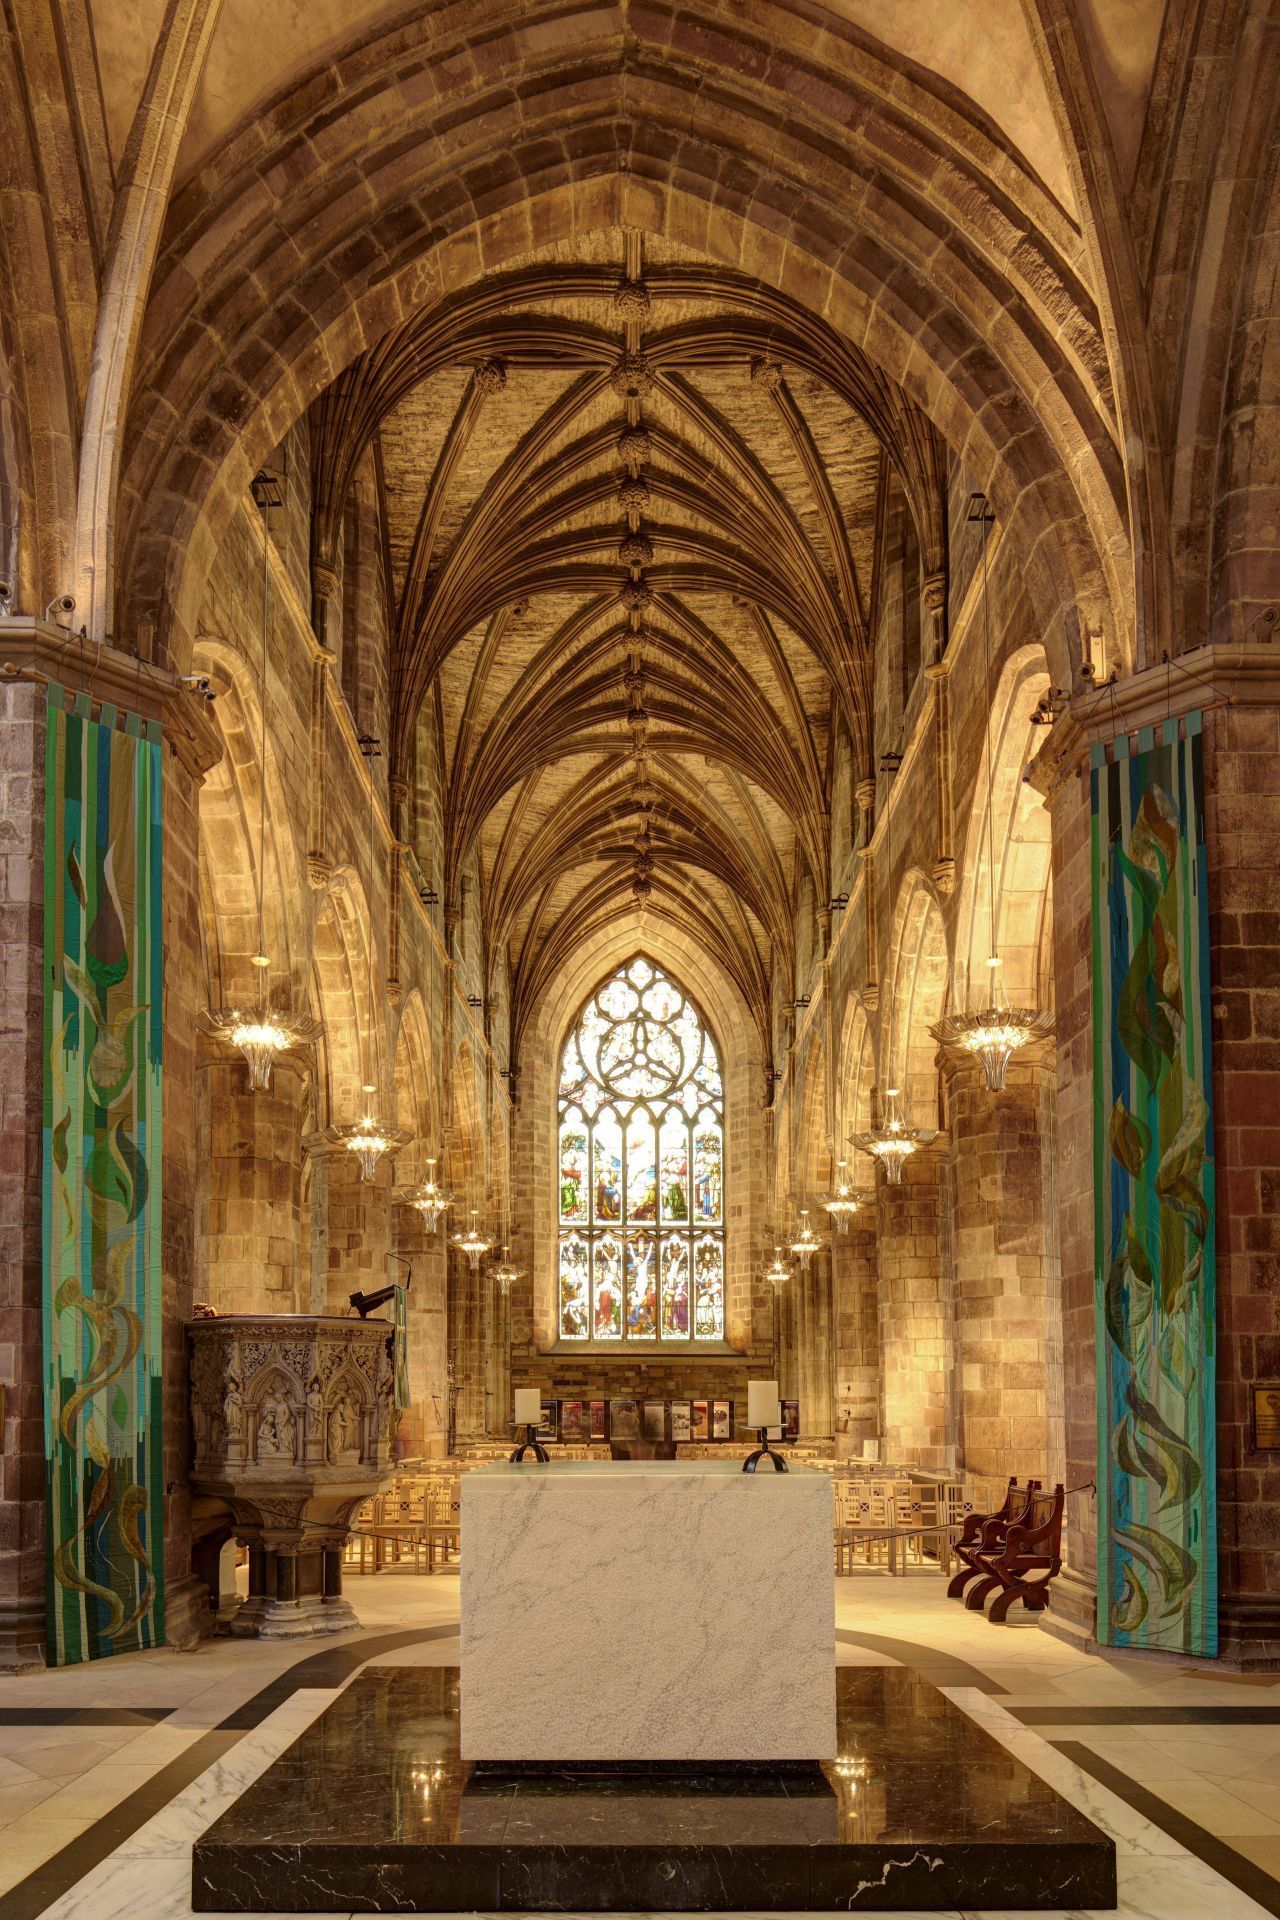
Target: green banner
[(1153, 1191), (101, 1182)]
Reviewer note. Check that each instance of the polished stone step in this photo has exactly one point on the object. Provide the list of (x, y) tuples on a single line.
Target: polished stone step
[(373, 1811)]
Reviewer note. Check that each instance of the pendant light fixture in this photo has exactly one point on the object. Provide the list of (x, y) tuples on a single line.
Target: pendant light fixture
[(893, 1142), (367, 1139), (996, 1031), (472, 1245), (843, 1203), (806, 1242), (779, 1273), (505, 1274), (430, 1199), (262, 1032)]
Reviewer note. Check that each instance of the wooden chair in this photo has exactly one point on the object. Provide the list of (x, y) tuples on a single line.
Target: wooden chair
[(443, 1530), (983, 1531), (1027, 1561)]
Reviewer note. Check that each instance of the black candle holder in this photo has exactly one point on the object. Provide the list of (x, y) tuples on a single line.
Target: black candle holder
[(530, 1443), (764, 1452)]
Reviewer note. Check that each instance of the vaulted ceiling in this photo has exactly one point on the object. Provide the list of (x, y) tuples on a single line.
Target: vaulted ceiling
[(630, 504)]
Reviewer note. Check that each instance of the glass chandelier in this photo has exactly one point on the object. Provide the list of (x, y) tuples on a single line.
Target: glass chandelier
[(368, 1140), (430, 1199), (843, 1203), (505, 1274), (806, 1243), (263, 1032), (893, 1142), (779, 1273), (993, 1033), (473, 1245)]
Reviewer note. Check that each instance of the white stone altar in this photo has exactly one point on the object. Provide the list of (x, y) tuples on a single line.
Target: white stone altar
[(647, 1610)]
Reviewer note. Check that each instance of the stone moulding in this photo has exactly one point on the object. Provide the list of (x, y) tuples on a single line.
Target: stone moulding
[(293, 1427)]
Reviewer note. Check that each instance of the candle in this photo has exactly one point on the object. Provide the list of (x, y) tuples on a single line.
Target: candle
[(528, 1406), (763, 1408)]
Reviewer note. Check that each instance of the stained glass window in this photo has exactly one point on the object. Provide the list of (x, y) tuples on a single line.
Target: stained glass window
[(641, 1174)]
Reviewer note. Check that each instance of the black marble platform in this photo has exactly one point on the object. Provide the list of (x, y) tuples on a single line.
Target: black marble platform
[(373, 1811)]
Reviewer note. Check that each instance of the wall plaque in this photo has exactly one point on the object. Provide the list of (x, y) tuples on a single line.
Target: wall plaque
[(1266, 1415)]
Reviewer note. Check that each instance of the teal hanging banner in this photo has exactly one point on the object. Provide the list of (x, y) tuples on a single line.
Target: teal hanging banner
[(1153, 1191), (101, 1183)]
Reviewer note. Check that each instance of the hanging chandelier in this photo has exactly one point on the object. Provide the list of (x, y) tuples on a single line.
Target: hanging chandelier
[(369, 1141), (431, 1199), (994, 1035), (996, 1032), (779, 1273), (472, 1244), (806, 1243), (505, 1274), (893, 1142), (264, 1032), (261, 1036), (843, 1204)]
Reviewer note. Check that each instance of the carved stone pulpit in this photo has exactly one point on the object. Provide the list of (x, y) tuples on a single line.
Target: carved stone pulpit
[(294, 1421)]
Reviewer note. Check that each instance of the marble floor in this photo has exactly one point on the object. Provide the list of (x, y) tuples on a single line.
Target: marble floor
[(108, 1773)]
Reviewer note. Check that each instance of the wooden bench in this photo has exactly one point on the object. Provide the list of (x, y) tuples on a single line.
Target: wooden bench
[(1030, 1557), (986, 1530)]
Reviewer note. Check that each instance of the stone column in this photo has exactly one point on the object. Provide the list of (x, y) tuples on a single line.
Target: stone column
[(256, 1229), (814, 1286), (915, 1334), (187, 1612), (358, 1223), (22, 1472), (422, 1429), (468, 1334), (857, 1346), (1074, 1592), (1242, 753), (1005, 1269)]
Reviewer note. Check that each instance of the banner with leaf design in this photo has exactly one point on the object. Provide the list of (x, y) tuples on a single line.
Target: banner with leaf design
[(1153, 1194), (101, 1181)]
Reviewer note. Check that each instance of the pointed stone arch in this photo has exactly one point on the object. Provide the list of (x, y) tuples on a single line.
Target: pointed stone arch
[(1007, 812), (917, 998), (231, 820)]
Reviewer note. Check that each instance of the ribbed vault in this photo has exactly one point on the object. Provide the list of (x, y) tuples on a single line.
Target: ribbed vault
[(630, 503)]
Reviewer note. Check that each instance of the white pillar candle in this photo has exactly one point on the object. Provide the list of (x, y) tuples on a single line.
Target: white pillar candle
[(763, 1408), (528, 1406)]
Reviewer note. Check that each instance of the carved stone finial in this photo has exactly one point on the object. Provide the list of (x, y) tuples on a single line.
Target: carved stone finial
[(632, 376), (490, 378)]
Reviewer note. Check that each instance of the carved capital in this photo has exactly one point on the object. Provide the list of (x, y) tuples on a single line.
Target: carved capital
[(319, 872), (944, 875), (933, 591), (324, 581)]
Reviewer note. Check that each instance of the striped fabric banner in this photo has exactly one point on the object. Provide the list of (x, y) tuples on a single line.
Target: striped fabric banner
[(101, 1189), (1153, 1191)]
